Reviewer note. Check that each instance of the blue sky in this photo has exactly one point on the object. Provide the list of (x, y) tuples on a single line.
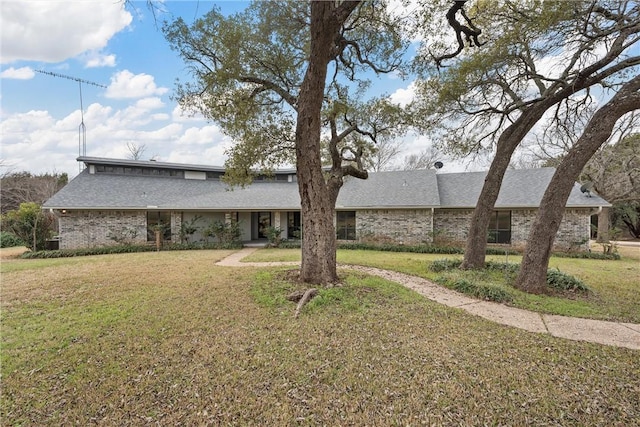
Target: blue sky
[(117, 46)]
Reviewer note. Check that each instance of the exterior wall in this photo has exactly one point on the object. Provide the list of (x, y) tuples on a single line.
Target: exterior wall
[(521, 222), (575, 229), (176, 225), (404, 226), (86, 229), (82, 229), (573, 233), (203, 222), (451, 225)]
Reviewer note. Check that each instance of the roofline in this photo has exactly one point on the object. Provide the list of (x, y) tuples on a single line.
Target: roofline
[(597, 205), (162, 165), (287, 208)]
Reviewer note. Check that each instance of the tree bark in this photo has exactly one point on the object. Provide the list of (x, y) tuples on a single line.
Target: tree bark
[(533, 271), (476, 246), (512, 136), (316, 196)]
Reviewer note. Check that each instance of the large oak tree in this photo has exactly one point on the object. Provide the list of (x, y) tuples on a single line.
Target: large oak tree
[(541, 56), (285, 81), (533, 270)]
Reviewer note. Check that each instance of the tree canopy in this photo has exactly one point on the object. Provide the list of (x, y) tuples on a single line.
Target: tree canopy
[(543, 60), (248, 69), (288, 82)]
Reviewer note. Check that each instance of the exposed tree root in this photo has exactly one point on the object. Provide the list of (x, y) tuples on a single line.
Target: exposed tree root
[(305, 298)]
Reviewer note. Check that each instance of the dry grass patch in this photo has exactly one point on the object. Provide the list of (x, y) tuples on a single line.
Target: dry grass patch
[(172, 339)]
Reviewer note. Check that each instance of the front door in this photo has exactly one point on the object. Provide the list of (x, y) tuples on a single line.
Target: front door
[(264, 222)]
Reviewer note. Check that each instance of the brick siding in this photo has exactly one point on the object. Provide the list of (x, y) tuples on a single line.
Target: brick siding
[(404, 226), (87, 229)]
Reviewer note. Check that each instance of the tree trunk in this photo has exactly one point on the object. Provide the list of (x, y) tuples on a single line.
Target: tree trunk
[(476, 246), (533, 271), (318, 239)]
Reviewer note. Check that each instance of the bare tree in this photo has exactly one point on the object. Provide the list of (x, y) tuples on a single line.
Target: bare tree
[(24, 187), (425, 159), (383, 155), (136, 150)]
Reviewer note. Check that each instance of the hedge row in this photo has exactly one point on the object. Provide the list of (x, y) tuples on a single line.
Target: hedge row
[(294, 244), (122, 249)]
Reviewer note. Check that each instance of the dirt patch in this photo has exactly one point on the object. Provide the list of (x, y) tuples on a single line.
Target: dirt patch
[(9, 253)]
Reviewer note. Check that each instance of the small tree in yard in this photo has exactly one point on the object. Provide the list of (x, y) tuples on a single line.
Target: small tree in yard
[(278, 75), (30, 224)]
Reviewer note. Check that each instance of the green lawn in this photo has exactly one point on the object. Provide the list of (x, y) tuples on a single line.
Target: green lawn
[(169, 338), (615, 284)]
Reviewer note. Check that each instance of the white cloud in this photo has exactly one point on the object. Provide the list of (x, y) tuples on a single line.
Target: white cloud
[(404, 96), (126, 85), (55, 30), (179, 114), (36, 141), (95, 59), (24, 73)]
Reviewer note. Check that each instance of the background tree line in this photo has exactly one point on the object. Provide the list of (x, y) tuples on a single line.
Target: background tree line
[(21, 196)]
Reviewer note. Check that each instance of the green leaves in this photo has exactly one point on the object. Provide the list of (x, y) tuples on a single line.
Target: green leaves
[(247, 71)]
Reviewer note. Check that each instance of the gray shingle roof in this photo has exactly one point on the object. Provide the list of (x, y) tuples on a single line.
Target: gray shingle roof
[(397, 189), (520, 188), (391, 189), (134, 192)]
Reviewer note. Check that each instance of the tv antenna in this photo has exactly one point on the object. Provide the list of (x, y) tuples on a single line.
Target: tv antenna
[(82, 129)]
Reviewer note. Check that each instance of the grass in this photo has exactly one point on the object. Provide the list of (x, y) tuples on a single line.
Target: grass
[(615, 284), (172, 339)]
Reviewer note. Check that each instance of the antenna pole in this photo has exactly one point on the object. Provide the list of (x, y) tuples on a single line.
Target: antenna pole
[(82, 129)]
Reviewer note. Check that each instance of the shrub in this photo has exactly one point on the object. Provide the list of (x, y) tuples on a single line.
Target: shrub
[(565, 282), (8, 240), (274, 236), (480, 291), (588, 255), (30, 224), (422, 249), (444, 265), (226, 233), (505, 267), (105, 250)]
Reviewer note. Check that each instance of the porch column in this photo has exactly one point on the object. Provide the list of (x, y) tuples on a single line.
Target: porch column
[(276, 219), (277, 223), (603, 226)]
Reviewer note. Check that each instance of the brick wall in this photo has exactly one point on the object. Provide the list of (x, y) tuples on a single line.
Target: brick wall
[(405, 226), (451, 225), (87, 229), (573, 233)]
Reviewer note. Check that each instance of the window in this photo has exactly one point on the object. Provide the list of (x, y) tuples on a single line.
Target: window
[(158, 220), (293, 225), (346, 225), (500, 227)]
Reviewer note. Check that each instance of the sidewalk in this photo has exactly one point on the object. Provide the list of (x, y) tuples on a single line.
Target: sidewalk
[(598, 331)]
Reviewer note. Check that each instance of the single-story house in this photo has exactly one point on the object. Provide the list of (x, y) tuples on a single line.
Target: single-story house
[(112, 197)]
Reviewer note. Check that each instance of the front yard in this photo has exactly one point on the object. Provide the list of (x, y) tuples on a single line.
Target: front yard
[(169, 338)]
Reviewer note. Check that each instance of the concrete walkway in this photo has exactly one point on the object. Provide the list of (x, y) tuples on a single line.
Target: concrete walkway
[(598, 331)]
